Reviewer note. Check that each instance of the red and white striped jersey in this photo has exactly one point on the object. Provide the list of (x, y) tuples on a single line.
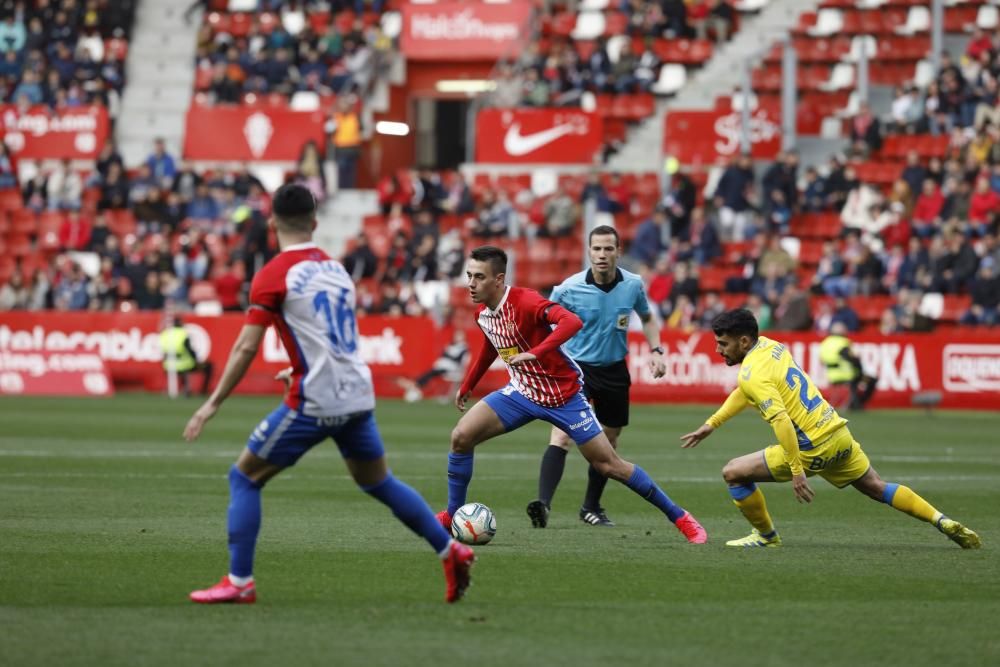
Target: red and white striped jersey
[(310, 300), (522, 322)]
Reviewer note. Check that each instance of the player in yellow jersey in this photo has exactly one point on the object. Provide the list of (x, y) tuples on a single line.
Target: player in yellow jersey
[(813, 439)]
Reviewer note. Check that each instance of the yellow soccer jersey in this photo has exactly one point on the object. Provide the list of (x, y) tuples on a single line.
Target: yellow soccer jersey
[(771, 380)]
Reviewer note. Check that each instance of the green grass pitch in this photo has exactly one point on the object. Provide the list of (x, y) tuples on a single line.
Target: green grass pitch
[(108, 519)]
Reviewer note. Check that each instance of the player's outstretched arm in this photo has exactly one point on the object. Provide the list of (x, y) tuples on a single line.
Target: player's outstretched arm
[(692, 439), (785, 431), (487, 354), (240, 357), (734, 404), (651, 330), (567, 324)]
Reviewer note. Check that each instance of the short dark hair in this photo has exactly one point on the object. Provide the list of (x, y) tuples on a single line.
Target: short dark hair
[(737, 322), (602, 230), (294, 207), (496, 257)]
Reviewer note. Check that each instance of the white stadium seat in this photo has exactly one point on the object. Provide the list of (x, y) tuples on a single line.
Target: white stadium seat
[(392, 24), (672, 78), (615, 45), (988, 17), (589, 25), (917, 20), (304, 100), (828, 22), (923, 74), (594, 5), (862, 43), (737, 101), (841, 77), (748, 6)]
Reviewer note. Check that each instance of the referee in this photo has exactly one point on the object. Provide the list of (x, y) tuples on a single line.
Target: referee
[(604, 297)]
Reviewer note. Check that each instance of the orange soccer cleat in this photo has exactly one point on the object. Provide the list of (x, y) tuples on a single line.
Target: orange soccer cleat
[(692, 530), (457, 567), (226, 591)]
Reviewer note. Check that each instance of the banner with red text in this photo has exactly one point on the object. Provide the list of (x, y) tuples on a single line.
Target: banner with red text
[(538, 136), (701, 137), (964, 368), (47, 373), (463, 30), (39, 133), (250, 133)]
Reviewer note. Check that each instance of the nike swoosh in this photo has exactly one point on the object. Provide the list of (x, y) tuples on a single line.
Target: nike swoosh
[(517, 144)]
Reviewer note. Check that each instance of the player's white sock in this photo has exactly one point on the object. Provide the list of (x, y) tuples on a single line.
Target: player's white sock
[(444, 552), (240, 581)]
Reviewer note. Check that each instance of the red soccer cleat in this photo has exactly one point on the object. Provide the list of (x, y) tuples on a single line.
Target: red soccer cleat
[(226, 591), (692, 530), (457, 568), (444, 519)]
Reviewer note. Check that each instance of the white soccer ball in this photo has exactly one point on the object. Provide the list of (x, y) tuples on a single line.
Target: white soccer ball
[(473, 523)]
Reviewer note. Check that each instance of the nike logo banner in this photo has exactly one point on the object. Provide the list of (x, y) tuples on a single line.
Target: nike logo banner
[(538, 136)]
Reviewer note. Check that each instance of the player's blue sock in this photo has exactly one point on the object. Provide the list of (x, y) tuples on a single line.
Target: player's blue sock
[(641, 483), (459, 476), (244, 522), (409, 507)]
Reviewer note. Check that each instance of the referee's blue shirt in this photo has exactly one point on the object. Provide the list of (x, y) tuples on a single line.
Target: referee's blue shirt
[(605, 311)]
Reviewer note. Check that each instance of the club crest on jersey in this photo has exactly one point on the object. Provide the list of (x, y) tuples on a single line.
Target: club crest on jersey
[(622, 321)]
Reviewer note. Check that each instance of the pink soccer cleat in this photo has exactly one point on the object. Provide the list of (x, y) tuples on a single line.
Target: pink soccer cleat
[(692, 530), (444, 519), (457, 567), (226, 591)]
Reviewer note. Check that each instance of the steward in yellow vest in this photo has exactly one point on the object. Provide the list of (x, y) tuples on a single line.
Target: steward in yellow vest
[(844, 367), (179, 357)]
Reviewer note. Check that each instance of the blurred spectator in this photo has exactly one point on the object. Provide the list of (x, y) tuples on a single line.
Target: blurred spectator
[(914, 173), (228, 285), (984, 206), (114, 189), (74, 232), (459, 197), (927, 210), (866, 132), (309, 170), (14, 294), (494, 217), (711, 307), (345, 131), (732, 198), (361, 261), (685, 286), (762, 312), (830, 277), (718, 22), (814, 196), (907, 312), (867, 271), (8, 168), (704, 239), (985, 292), (561, 215), (71, 290), (792, 311), (652, 237), (451, 254), (64, 188)]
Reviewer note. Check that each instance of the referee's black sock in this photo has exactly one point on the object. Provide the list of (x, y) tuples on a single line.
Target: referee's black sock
[(595, 489), (553, 464)]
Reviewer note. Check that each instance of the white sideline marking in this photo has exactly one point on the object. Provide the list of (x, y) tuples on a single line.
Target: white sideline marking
[(309, 477)]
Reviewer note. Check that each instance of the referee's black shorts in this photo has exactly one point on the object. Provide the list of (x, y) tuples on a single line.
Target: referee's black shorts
[(607, 387)]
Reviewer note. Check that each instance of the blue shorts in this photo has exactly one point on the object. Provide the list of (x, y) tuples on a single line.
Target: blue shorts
[(575, 418), (285, 435)]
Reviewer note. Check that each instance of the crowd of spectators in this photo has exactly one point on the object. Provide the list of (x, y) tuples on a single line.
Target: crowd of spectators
[(556, 74), (63, 53), (284, 52)]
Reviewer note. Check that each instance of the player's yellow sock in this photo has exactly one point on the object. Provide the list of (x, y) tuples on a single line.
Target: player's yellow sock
[(751, 502), (904, 499)]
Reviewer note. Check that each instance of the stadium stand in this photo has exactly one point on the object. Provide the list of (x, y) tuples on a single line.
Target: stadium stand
[(866, 238)]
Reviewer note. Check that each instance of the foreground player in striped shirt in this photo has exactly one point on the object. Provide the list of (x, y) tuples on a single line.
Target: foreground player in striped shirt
[(310, 300), (544, 384)]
